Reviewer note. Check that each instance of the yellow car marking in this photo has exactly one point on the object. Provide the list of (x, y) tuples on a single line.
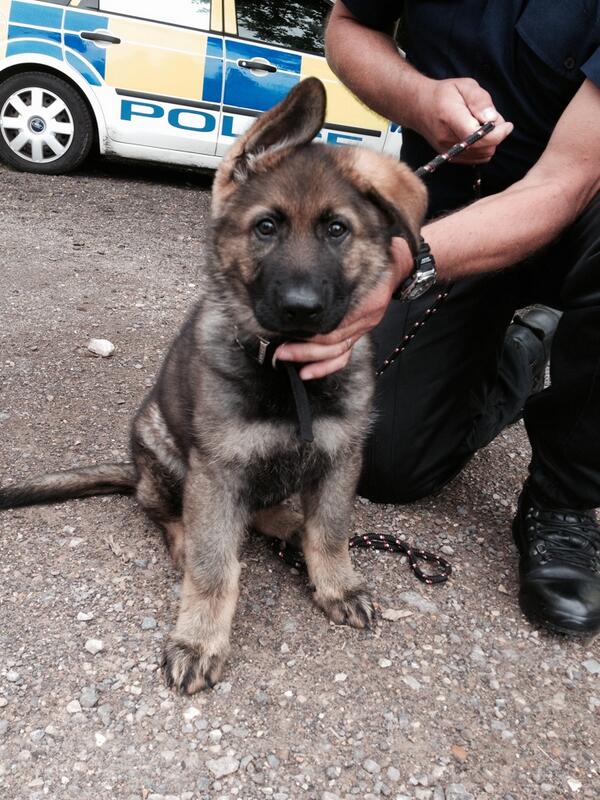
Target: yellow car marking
[(230, 18), (157, 59), (4, 11), (343, 108), (216, 15)]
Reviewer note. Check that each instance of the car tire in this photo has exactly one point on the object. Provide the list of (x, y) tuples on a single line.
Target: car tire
[(45, 124)]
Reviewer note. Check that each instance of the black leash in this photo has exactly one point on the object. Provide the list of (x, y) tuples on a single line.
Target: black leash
[(303, 412), (455, 150), (422, 172), (378, 541), (264, 351), (407, 339)]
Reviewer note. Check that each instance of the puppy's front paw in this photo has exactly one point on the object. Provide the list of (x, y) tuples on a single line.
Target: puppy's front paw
[(354, 608), (187, 669)]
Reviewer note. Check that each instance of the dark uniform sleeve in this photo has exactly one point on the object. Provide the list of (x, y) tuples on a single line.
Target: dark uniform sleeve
[(373, 14), (591, 68)]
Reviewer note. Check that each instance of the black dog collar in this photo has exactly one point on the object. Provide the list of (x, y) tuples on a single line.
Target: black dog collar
[(262, 351)]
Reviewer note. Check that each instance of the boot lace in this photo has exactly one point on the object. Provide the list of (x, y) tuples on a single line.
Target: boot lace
[(572, 537)]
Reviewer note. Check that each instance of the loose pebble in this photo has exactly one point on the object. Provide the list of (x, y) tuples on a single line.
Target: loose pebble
[(88, 697), (94, 646), (394, 614), (223, 766), (422, 604), (191, 713), (101, 347), (592, 665), (370, 766), (459, 753)]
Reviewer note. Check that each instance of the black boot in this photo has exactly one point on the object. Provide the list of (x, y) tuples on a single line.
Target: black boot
[(533, 330), (559, 566)]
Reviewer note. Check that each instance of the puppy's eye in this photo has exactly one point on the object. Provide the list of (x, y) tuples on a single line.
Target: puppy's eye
[(266, 227), (336, 229)]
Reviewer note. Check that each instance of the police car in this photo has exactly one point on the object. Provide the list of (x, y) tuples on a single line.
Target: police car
[(161, 80)]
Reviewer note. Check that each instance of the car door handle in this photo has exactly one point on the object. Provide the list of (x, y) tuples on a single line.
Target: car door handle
[(256, 65), (94, 36)]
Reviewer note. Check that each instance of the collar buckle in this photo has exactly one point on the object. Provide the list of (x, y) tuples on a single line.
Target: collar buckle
[(263, 346)]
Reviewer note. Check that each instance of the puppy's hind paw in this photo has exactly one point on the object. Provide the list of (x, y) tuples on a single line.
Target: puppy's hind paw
[(354, 608), (187, 669)]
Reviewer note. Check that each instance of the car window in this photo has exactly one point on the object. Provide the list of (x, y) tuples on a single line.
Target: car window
[(189, 13), (289, 23)]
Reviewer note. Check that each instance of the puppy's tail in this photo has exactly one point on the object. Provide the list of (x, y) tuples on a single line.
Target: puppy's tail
[(84, 482)]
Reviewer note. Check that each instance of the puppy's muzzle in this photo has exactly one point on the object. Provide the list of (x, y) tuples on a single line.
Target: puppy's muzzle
[(300, 303), (301, 306)]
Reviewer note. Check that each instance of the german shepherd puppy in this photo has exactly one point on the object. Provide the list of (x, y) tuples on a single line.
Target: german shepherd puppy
[(301, 233)]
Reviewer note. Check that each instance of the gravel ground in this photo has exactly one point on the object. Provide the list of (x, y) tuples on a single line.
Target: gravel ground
[(458, 698)]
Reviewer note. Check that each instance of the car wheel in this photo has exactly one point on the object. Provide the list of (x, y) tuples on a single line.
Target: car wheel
[(45, 125)]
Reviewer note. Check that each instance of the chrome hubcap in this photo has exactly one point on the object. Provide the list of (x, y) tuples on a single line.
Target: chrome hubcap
[(37, 125)]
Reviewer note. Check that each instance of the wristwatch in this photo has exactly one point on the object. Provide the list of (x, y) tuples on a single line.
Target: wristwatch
[(423, 276)]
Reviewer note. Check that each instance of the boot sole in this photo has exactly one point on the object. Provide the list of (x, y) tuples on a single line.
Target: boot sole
[(555, 627)]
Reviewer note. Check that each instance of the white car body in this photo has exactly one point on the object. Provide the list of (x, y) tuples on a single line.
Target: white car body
[(169, 81)]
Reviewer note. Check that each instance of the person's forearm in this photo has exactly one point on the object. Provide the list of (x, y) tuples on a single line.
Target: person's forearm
[(507, 227), (368, 62), (503, 229)]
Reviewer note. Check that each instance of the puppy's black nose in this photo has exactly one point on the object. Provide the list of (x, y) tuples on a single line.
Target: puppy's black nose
[(301, 304)]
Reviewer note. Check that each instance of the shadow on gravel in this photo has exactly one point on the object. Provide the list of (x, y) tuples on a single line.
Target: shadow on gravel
[(102, 168)]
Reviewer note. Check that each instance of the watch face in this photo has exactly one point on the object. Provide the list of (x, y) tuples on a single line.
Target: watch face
[(422, 279), (426, 283), (417, 284), (426, 277)]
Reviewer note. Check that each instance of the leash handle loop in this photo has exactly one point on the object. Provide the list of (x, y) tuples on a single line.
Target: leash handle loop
[(379, 541), (393, 544)]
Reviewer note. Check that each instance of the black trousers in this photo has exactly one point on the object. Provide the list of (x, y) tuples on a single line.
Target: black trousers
[(460, 382)]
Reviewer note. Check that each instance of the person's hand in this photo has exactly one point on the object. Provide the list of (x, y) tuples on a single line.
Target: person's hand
[(323, 355), (449, 110)]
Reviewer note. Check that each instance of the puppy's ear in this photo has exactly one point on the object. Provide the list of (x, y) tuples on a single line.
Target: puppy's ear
[(293, 122), (391, 185)]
